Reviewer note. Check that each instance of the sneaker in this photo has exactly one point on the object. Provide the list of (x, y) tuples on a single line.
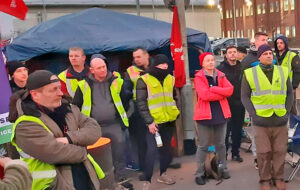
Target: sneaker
[(225, 174), (255, 163), (175, 166), (133, 167), (200, 180), (237, 159), (146, 185), (164, 178)]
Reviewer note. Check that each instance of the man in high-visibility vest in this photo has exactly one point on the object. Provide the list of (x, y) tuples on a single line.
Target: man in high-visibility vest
[(137, 129), (155, 100), (78, 71), (51, 136), (267, 95), (104, 96)]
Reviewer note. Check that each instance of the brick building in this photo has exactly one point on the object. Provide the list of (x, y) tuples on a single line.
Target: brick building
[(270, 16)]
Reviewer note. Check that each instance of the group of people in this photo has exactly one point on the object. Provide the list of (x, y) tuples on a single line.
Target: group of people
[(262, 83), (56, 117)]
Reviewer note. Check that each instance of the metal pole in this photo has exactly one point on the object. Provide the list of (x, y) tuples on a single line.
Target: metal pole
[(186, 91), (153, 9), (44, 11), (234, 22), (138, 8)]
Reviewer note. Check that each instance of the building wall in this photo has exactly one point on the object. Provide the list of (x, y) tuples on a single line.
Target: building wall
[(262, 15), (199, 18)]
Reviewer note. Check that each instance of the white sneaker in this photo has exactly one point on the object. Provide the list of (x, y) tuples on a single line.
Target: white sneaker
[(146, 185), (164, 178)]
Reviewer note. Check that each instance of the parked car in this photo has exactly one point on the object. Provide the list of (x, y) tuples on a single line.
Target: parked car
[(220, 44)]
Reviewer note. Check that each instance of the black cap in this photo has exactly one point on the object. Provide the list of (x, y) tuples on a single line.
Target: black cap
[(40, 78), (242, 49), (12, 66), (159, 59)]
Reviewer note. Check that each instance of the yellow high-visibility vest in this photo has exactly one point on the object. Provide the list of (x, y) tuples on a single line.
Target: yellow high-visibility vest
[(268, 98), (287, 62), (43, 174), (115, 90), (134, 74), (71, 84), (161, 103)]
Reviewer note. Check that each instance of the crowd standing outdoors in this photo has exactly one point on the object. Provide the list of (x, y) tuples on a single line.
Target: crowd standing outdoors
[(56, 117)]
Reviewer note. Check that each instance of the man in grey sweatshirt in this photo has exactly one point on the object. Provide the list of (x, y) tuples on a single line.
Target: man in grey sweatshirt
[(266, 93)]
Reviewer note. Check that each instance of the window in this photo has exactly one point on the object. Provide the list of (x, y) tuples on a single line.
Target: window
[(228, 34), (287, 31), (238, 33), (223, 34), (253, 33), (263, 8), (227, 14), (230, 13), (286, 5), (258, 9), (249, 33), (221, 15), (259, 29), (232, 33), (241, 12), (278, 30), (292, 2), (277, 6), (247, 11), (265, 31), (236, 12), (271, 7), (242, 33), (293, 31), (251, 10)]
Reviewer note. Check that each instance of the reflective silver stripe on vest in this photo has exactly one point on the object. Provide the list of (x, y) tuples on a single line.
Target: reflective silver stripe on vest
[(69, 87), (24, 155), (117, 104), (43, 174), (260, 92), (161, 105), (123, 115), (288, 63), (168, 94), (85, 108), (280, 106)]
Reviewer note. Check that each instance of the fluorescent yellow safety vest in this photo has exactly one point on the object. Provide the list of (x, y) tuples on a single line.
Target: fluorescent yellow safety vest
[(115, 90), (71, 84), (161, 103), (42, 173), (134, 74), (268, 98), (287, 62)]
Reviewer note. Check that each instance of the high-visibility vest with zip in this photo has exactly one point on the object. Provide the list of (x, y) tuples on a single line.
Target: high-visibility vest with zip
[(287, 62), (115, 90), (268, 98), (71, 84), (161, 103), (43, 174), (134, 74)]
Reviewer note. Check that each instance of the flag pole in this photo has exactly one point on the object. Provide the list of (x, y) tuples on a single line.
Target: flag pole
[(186, 92)]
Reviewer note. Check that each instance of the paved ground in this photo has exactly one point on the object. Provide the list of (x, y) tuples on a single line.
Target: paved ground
[(244, 176)]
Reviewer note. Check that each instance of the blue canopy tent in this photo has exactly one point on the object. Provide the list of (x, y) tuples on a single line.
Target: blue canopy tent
[(100, 30)]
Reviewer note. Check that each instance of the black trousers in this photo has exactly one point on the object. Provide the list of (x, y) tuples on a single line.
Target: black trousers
[(137, 131), (234, 129), (165, 152)]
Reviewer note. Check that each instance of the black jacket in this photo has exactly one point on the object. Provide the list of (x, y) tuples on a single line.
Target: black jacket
[(249, 59), (125, 94), (234, 75)]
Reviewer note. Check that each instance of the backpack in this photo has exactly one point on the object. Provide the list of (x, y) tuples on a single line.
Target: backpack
[(211, 166)]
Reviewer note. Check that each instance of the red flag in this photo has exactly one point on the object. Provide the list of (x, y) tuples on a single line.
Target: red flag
[(15, 8), (177, 51)]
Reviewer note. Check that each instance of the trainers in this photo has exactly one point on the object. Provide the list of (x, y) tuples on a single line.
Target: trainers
[(237, 159), (280, 185), (255, 163), (200, 180), (175, 166), (164, 178), (146, 185), (133, 167), (225, 174)]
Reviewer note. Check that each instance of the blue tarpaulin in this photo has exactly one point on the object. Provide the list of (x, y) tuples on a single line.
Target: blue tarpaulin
[(97, 30)]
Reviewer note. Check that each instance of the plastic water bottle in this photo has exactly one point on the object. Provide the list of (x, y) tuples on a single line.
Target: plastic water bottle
[(158, 139)]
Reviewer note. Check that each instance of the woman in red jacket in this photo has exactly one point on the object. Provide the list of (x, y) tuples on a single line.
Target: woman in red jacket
[(211, 113)]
